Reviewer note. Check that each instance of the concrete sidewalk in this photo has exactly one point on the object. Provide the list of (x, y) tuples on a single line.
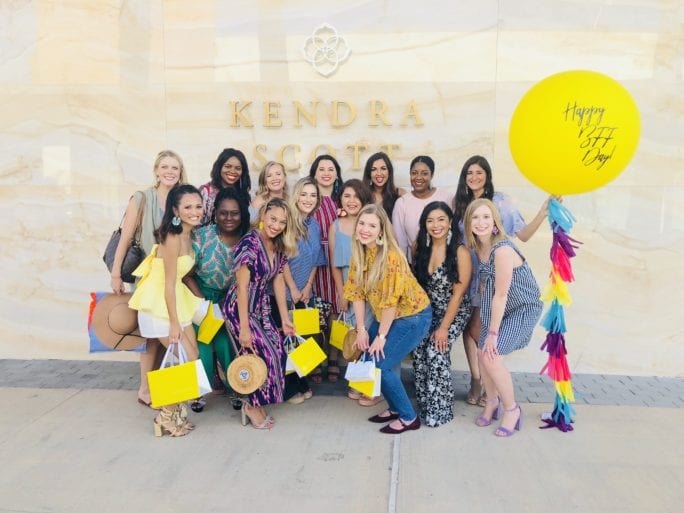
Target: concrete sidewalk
[(82, 450)]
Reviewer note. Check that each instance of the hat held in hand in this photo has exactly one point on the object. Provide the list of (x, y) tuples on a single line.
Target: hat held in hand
[(115, 323)]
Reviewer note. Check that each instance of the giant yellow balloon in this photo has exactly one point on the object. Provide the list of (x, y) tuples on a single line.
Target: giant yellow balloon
[(574, 132)]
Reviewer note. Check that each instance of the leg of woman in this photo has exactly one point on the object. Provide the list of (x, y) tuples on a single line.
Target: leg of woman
[(404, 335), (421, 373), (470, 337), (190, 343), (148, 361), (492, 404), (441, 391), (497, 372)]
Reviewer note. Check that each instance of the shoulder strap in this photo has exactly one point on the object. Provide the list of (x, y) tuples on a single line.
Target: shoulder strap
[(138, 223), (505, 242)]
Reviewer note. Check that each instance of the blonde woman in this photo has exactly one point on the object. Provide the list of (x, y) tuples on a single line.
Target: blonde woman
[(509, 310), (168, 171), (301, 269), (379, 274), (272, 184), (259, 260)]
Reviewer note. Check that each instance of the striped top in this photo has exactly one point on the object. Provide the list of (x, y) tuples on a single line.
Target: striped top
[(324, 286), (523, 306), (310, 254)]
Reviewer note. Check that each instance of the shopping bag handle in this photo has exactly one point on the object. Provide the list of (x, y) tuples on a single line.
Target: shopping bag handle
[(342, 317), (310, 304), (170, 358)]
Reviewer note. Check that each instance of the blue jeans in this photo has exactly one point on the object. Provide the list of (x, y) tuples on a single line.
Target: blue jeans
[(403, 337)]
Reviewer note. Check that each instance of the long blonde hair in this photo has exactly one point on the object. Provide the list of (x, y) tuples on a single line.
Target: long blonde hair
[(285, 242), (298, 226), (389, 244), (262, 189), (168, 153), (471, 239)]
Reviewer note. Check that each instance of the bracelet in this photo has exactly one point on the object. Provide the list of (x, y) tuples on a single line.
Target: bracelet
[(362, 328), (493, 333)]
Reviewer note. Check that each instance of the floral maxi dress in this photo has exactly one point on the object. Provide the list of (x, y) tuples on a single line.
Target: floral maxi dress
[(267, 342), (432, 368)]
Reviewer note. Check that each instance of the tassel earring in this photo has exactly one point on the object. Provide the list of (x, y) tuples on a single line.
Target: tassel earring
[(449, 236), (427, 240), (176, 221), (495, 230)]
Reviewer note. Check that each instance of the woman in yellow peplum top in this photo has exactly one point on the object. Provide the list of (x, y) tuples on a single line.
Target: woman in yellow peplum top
[(161, 274)]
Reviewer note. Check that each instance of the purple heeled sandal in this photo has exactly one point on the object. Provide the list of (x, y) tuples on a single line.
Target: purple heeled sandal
[(483, 421)]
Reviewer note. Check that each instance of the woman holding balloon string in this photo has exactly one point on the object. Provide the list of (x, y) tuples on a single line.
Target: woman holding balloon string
[(476, 182)]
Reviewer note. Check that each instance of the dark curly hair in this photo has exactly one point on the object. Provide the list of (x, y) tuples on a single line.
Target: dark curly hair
[(423, 251), (245, 183), (172, 201), (338, 181)]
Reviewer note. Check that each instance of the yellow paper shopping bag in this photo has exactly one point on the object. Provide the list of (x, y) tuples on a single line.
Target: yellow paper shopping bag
[(177, 383), (306, 357), (368, 388), (210, 325), (339, 330), (306, 321)]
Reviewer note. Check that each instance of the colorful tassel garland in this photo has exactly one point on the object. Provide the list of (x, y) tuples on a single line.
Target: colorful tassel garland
[(556, 292)]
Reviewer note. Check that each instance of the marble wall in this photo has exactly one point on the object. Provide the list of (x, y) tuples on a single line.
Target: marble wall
[(91, 91)]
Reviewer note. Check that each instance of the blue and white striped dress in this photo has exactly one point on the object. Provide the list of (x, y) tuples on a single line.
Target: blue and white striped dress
[(523, 306)]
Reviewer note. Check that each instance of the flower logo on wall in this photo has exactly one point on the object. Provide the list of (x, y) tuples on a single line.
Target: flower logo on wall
[(325, 49)]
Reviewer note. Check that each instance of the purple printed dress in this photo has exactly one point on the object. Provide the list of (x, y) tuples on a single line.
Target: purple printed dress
[(267, 342)]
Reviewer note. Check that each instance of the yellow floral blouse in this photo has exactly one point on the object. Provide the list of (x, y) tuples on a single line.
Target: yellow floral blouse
[(396, 288)]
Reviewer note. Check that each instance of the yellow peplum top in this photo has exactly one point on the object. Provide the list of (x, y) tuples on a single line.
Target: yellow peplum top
[(149, 293)]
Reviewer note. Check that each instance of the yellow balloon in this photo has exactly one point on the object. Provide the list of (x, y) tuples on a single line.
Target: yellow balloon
[(574, 132)]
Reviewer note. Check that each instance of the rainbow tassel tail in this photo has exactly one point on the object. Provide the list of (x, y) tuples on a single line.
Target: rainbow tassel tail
[(556, 292)]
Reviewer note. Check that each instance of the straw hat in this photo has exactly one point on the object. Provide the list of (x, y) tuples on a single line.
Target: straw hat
[(350, 353), (115, 323), (246, 373)]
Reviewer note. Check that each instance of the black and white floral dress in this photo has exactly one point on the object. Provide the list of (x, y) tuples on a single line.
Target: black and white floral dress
[(434, 388)]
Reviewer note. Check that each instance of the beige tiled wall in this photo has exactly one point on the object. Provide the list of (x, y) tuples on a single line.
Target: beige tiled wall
[(91, 91)]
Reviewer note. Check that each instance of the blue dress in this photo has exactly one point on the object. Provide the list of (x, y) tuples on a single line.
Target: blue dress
[(523, 306)]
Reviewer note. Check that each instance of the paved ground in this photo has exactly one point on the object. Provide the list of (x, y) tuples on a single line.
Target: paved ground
[(75, 441), (597, 389)]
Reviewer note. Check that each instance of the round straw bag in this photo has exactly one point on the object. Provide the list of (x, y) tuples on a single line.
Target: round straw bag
[(350, 354), (247, 373)]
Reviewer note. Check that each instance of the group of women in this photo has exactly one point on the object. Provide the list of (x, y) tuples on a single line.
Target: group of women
[(411, 270)]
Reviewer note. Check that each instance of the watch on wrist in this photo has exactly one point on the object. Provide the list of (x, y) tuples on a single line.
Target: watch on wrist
[(382, 336)]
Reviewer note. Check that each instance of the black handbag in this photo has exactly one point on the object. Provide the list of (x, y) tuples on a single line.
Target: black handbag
[(134, 254)]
